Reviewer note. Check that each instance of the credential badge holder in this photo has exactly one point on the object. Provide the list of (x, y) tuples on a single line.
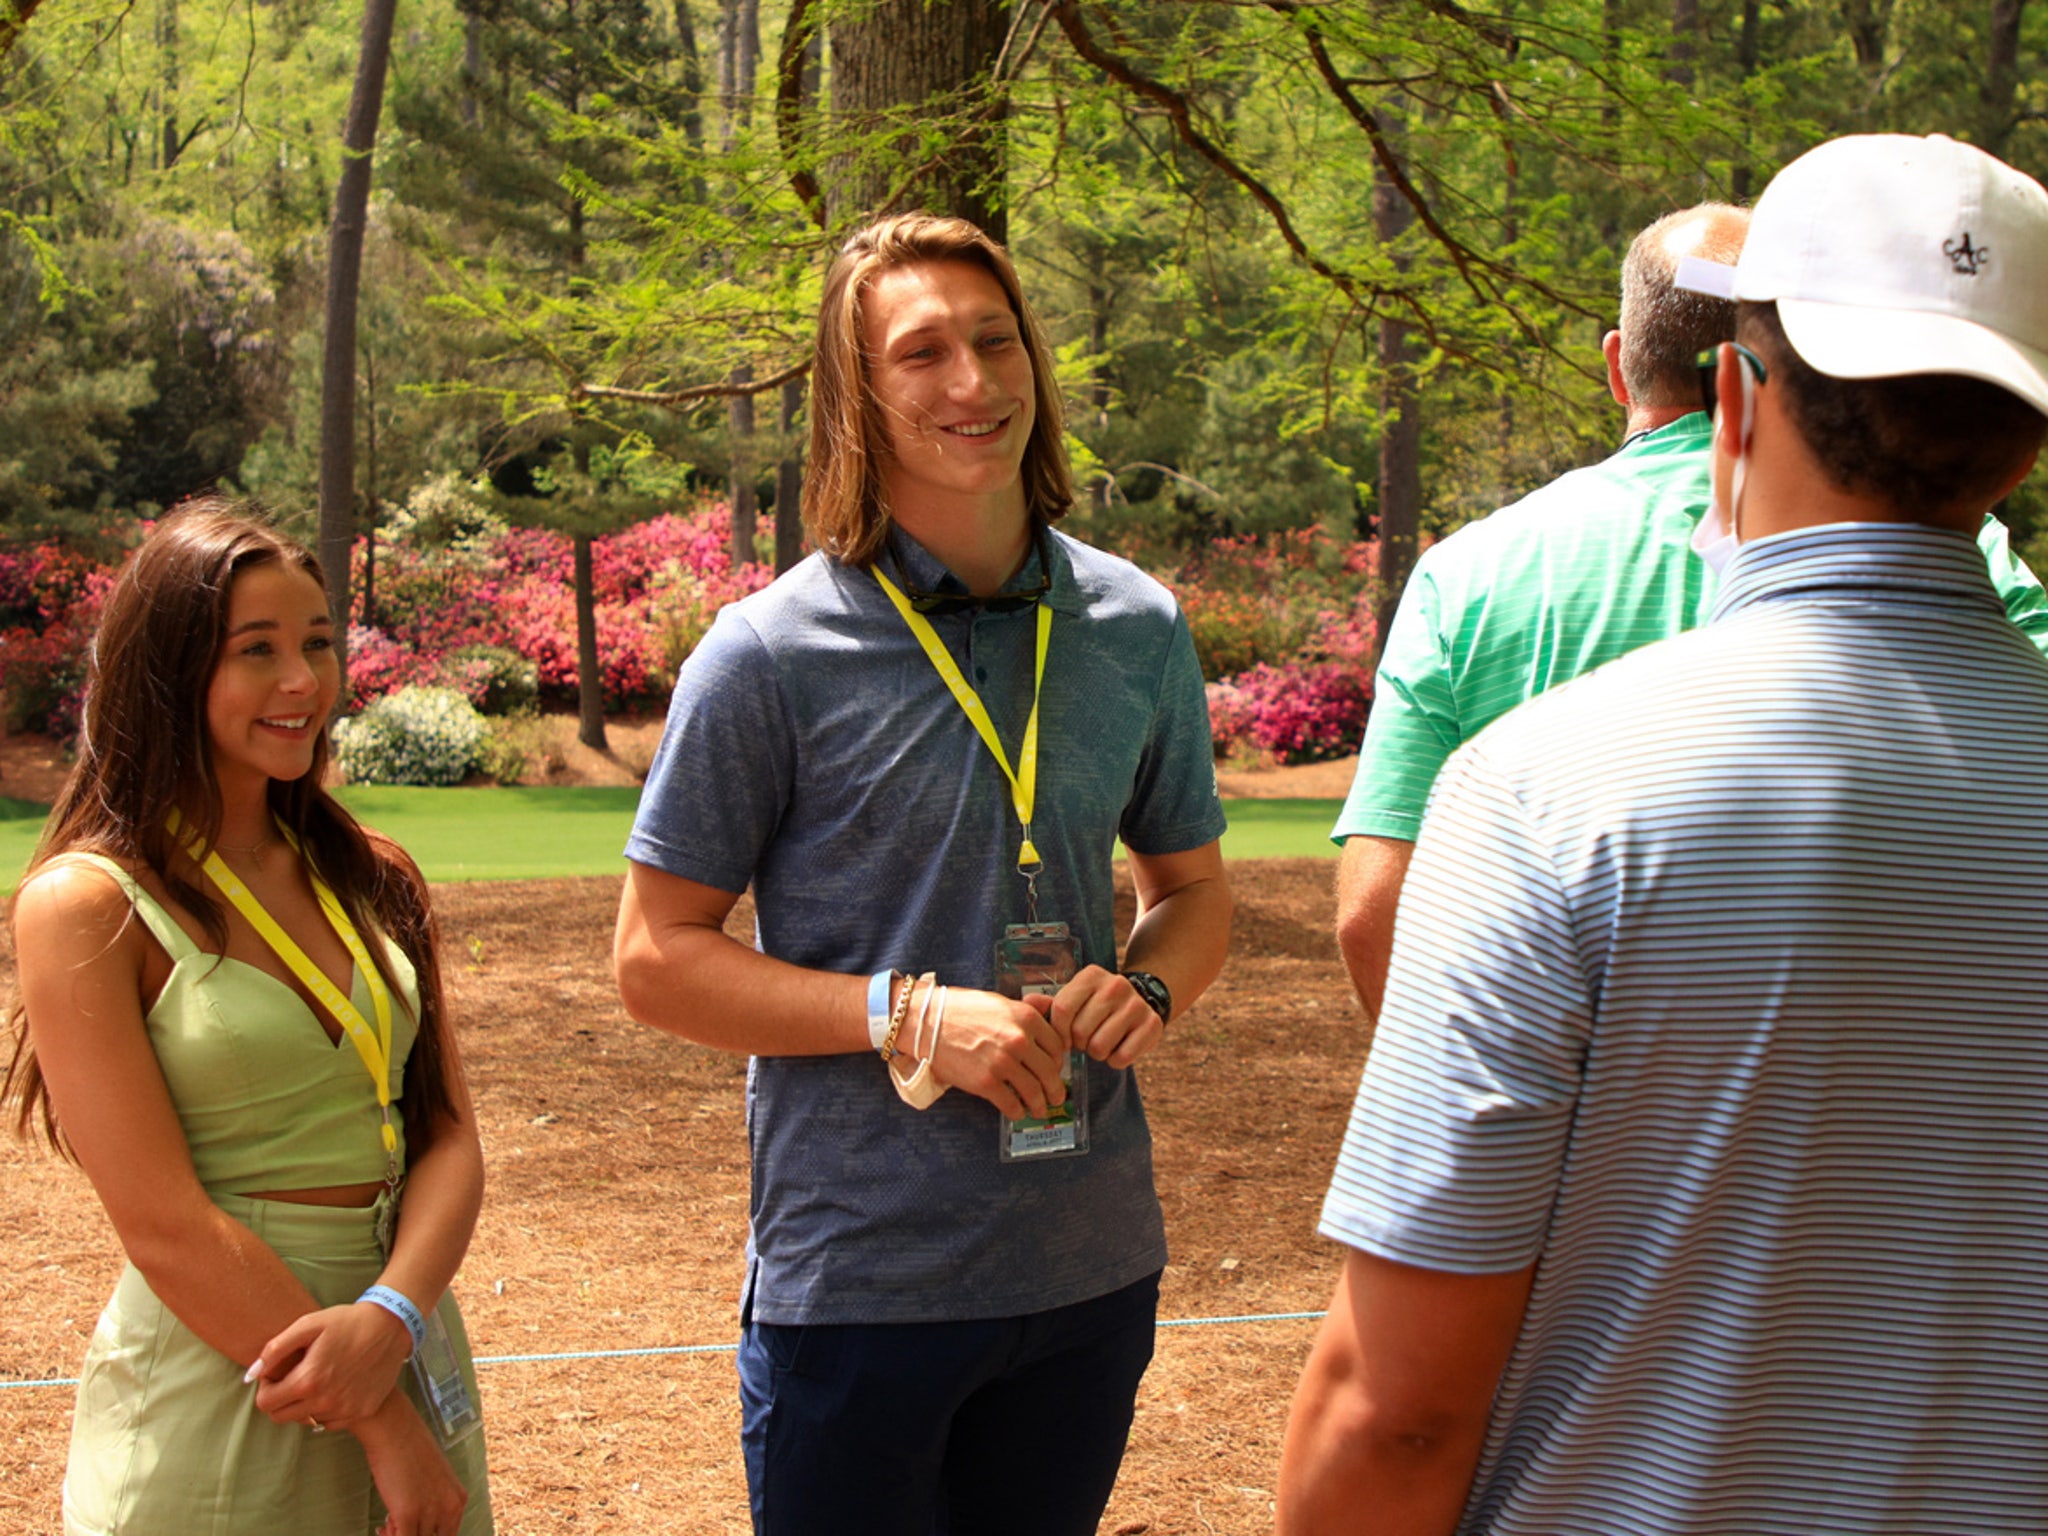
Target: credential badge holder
[(1036, 960)]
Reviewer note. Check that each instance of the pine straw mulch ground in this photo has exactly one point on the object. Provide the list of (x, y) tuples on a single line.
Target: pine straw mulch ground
[(617, 1210)]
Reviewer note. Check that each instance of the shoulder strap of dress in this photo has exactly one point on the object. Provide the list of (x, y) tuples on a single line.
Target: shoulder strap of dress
[(163, 927)]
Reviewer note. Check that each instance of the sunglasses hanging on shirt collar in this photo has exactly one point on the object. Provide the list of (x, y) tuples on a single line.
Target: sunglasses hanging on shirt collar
[(925, 602)]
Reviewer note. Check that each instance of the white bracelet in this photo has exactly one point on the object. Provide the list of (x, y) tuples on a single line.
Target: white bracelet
[(924, 1010)]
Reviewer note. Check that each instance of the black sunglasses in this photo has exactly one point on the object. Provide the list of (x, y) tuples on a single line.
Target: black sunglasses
[(1003, 602), (1709, 363)]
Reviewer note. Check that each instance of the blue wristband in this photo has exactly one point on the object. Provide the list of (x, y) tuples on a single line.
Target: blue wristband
[(408, 1314), (879, 986)]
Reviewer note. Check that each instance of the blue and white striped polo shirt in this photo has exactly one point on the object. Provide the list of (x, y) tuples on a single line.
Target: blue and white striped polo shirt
[(1720, 991)]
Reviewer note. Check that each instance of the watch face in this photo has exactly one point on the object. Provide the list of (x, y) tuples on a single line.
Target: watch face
[(1152, 990)]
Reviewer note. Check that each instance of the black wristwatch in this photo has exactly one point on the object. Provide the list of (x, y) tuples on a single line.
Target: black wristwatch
[(1153, 991)]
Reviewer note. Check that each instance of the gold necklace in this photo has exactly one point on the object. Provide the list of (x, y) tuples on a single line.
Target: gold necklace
[(255, 852)]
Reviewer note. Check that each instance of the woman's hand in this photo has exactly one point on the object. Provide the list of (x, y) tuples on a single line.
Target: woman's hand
[(421, 1493), (332, 1367)]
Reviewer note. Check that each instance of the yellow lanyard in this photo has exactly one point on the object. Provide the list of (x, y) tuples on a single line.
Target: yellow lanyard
[(373, 1048), (1024, 781)]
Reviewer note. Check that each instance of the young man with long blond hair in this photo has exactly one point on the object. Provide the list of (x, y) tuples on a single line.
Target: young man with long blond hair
[(919, 748)]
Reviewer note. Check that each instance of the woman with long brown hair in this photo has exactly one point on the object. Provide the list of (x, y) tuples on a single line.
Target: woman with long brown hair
[(231, 1017)]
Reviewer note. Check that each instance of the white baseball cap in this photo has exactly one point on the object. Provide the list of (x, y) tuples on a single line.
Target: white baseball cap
[(1892, 255)]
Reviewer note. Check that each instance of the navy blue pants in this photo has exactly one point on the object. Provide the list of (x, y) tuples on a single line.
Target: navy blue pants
[(988, 1428)]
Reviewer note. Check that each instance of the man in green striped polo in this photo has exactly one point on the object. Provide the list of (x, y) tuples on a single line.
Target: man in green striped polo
[(1586, 569)]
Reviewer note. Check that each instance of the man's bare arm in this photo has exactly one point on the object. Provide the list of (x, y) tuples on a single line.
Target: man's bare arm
[(1390, 1415), (1369, 876), (678, 971)]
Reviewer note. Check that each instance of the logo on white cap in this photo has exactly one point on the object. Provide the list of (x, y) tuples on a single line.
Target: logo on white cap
[(1967, 259)]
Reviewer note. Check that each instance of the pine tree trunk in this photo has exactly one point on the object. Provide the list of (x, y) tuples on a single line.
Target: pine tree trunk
[(739, 61), (1868, 22), (1746, 45), (167, 67), (746, 499), (1685, 41), (344, 278), (1400, 480), (789, 483), (906, 64), (2001, 76), (589, 681), (796, 101)]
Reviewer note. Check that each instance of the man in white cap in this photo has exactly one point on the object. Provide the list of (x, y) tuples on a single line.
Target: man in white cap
[(1595, 564), (1696, 1182)]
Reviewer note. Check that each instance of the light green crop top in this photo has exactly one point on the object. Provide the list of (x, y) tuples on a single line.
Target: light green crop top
[(266, 1099)]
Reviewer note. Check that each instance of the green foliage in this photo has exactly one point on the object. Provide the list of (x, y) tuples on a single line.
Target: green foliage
[(502, 682), (515, 744), (578, 223), (414, 736), (149, 383)]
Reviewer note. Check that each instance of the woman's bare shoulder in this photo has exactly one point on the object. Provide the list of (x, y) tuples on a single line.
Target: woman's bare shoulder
[(73, 894)]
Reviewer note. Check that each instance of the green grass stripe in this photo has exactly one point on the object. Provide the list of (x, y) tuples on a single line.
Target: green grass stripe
[(512, 833), (1280, 829), (520, 833)]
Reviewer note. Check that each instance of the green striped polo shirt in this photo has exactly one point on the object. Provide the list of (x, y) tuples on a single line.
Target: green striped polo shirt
[(1590, 567)]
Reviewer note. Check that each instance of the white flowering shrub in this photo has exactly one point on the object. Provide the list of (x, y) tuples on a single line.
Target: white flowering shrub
[(414, 736)]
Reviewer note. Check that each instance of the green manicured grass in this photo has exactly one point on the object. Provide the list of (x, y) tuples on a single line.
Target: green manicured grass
[(541, 833), (1280, 829), (515, 833), (21, 823)]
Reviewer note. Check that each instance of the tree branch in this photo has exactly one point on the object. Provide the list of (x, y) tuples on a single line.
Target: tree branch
[(1181, 113), (690, 396), (1468, 261)]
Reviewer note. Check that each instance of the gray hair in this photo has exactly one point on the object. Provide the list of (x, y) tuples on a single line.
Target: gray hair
[(1665, 328)]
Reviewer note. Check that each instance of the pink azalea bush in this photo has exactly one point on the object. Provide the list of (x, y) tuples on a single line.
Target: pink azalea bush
[(1284, 628), (1283, 624), (1297, 712), (654, 582), (50, 601), (378, 664)]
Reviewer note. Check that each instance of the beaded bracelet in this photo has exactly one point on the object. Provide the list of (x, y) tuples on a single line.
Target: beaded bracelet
[(402, 1309)]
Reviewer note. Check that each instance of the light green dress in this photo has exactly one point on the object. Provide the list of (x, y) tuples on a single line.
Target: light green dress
[(167, 1439)]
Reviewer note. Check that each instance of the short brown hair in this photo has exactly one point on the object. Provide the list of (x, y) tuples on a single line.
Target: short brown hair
[(1923, 443), (845, 511)]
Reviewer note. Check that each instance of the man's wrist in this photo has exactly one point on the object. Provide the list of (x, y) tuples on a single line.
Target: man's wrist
[(1154, 992), (881, 987)]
